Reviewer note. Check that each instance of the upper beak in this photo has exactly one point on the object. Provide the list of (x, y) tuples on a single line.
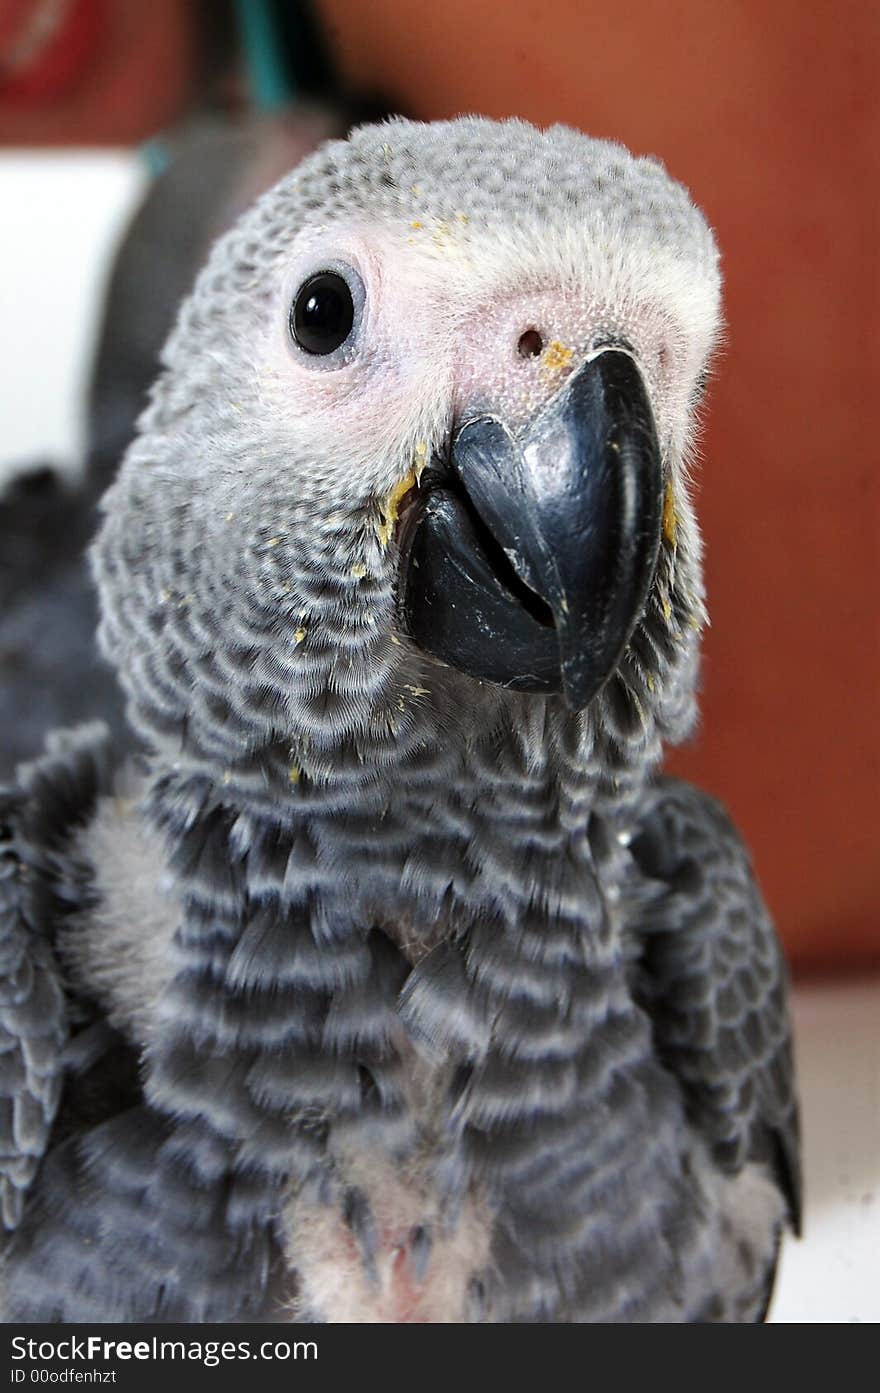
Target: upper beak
[(530, 562)]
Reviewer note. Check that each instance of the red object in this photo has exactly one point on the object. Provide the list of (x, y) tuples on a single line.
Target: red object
[(86, 72), (769, 113), (46, 47)]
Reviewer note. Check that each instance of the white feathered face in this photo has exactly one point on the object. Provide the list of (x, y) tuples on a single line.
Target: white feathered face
[(414, 416)]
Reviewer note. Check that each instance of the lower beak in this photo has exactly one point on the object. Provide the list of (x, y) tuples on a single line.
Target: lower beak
[(530, 561)]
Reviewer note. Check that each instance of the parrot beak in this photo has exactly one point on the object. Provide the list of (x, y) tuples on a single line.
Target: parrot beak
[(530, 561)]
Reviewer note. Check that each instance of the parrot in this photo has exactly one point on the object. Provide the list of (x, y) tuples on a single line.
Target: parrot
[(393, 981)]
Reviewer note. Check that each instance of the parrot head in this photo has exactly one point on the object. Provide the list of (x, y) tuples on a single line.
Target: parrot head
[(418, 455)]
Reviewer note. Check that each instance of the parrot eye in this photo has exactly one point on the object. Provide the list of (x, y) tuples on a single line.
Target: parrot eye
[(323, 312)]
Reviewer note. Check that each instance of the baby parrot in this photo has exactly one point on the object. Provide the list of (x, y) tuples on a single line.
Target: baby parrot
[(395, 983)]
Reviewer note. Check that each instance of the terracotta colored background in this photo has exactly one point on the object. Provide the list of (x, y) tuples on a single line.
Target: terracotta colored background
[(769, 112)]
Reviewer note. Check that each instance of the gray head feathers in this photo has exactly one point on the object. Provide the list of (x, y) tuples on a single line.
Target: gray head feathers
[(246, 572)]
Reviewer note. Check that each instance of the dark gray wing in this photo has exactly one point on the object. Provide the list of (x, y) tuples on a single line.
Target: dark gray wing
[(33, 1025), (709, 971), (157, 1198), (37, 887)]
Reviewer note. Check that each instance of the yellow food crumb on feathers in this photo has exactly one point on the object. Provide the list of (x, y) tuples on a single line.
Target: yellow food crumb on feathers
[(417, 691), (294, 774), (390, 507), (667, 609), (421, 459), (274, 541), (649, 678), (416, 226), (358, 571), (556, 356), (299, 635), (670, 517), (229, 517), (395, 640)]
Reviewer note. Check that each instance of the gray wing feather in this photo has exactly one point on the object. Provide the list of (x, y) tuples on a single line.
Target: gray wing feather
[(33, 1027), (709, 971), (37, 886)]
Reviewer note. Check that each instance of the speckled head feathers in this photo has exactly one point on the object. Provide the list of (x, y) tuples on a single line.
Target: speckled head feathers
[(247, 564)]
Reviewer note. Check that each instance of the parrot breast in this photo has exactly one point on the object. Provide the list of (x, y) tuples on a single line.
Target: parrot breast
[(393, 1249)]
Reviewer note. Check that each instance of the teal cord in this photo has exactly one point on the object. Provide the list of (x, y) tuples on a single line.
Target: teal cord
[(271, 84), (155, 155)]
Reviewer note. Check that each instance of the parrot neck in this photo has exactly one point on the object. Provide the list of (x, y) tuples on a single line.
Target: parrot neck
[(423, 847), (476, 763)]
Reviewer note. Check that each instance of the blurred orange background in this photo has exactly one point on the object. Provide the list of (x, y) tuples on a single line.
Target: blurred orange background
[(769, 113)]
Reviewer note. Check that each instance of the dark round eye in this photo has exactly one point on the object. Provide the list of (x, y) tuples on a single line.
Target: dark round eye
[(322, 315)]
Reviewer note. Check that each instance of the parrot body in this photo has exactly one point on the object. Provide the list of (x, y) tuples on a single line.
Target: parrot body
[(399, 986)]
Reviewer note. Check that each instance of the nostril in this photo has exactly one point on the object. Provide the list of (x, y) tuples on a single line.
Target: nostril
[(530, 345)]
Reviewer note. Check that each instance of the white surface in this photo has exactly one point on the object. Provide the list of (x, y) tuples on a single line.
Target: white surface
[(59, 218), (833, 1273)]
